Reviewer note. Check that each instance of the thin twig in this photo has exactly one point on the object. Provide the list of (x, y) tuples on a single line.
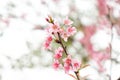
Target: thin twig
[(77, 75), (64, 48)]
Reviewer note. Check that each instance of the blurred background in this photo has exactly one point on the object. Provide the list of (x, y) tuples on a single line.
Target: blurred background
[(22, 34)]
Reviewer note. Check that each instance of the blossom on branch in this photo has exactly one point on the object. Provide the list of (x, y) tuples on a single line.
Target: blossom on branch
[(56, 64), (47, 42), (58, 53), (67, 21)]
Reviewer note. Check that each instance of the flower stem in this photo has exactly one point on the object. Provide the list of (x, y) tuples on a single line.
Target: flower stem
[(64, 48), (77, 75)]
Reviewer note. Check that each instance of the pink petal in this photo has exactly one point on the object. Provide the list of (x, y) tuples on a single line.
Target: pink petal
[(102, 6), (71, 31), (56, 64), (75, 64), (68, 60), (67, 21), (58, 55), (67, 68)]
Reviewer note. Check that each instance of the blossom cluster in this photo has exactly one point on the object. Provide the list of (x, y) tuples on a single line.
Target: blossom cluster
[(59, 34), (62, 33)]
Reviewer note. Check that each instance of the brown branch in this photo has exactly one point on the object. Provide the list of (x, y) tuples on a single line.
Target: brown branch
[(77, 75), (60, 40)]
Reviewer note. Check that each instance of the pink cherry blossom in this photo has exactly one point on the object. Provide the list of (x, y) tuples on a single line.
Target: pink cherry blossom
[(58, 53), (71, 31), (60, 50), (67, 67), (47, 42), (65, 36), (53, 28), (56, 64), (102, 7), (68, 60), (67, 21), (49, 38), (75, 65), (47, 45)]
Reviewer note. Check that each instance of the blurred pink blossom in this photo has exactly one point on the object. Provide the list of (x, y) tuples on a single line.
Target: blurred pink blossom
[(102, 7), (67, 21), (47, 42), (71, 31)]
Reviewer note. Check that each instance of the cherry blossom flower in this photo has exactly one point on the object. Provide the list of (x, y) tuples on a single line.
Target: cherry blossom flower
[(53, 28), (102, 7), (75, 64), (67, 67), (58, 53), (71, 31), (59, 33), (49, 38), (65, 36), (56, 64), (47, 42), (60, 50), (67, 21), (47, 45), (68, 60)]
